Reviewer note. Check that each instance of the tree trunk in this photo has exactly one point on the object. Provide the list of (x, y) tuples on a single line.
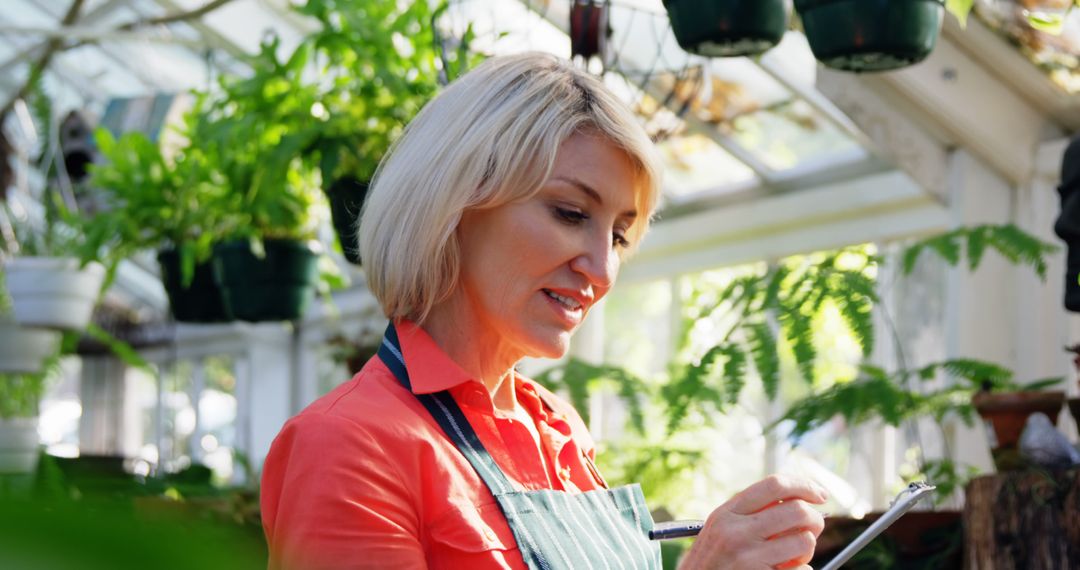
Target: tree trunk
[(1024, 520)]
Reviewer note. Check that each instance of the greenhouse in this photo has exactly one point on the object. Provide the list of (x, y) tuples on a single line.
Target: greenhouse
[(220, 245)]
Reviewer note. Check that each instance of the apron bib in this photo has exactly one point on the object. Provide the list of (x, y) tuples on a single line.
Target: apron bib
[(554, 530)]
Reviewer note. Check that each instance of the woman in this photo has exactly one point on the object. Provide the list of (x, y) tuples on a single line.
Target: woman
[(496, 222)]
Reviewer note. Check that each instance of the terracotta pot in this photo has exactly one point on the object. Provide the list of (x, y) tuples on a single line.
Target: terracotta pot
[(1008, 412)]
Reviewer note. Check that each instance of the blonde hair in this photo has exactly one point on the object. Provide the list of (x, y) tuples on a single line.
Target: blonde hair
[(489, 139)]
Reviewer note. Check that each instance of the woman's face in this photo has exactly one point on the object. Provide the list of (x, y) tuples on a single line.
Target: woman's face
[(531, 270)]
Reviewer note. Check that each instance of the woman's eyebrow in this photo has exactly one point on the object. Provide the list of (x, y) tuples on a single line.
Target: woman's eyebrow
[(592, 194)]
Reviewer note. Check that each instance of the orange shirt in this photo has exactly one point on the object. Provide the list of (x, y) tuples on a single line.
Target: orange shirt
[(365, 478)]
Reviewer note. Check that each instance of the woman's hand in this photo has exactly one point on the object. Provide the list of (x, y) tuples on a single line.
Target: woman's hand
[(769, 525)]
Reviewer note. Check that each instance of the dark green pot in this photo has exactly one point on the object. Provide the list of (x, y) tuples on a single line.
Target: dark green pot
[(278, 287), (727, 28), (201, 301), (871, 35), (346, 196)]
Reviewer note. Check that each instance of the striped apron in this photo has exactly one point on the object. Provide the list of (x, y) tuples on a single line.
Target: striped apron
[(603, 528)]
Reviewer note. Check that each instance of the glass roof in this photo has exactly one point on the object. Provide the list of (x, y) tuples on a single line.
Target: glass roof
[(1053, 47), (723, 125)]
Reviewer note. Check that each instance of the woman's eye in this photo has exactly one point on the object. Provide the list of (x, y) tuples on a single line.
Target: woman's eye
[(570, 216), (619, 240)]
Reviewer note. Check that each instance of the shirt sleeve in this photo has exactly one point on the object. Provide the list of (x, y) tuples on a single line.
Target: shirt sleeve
[(332, 499)]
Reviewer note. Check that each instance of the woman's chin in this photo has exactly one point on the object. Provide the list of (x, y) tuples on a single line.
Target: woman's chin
[(551, 345)]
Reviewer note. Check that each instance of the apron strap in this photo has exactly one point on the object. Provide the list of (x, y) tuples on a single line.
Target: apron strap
[(449, 417)]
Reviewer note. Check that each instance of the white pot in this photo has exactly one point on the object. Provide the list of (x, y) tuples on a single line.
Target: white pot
[(52, 291), (18, 445), (23, 350)]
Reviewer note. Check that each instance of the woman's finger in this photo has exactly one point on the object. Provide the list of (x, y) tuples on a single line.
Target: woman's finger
[(795, 546), (786, 517), (774, 488)]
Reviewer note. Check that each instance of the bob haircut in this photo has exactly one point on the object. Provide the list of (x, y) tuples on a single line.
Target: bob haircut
[(489, 139)]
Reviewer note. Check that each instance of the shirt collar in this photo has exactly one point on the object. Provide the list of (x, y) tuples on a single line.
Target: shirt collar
[(430, 369)]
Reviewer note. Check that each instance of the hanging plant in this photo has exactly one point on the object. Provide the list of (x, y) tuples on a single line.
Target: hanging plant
[(871, 35), (727, 28)]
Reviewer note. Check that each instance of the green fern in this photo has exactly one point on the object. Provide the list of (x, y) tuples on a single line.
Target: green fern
[(763, 350), (1013, 243), (734, 372)]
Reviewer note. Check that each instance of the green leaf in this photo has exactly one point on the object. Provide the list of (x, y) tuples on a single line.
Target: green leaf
[(734, 373), (798, 330), (960, 9), (121, 349), (766, 358)]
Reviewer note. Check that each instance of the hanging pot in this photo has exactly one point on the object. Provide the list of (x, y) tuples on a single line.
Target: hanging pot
[(588, 28), (276, 287), (53, 292), (871, 35), (727, 28), (346, 197), (23, 350), (199, 302), (1007, 413), (18, 445)]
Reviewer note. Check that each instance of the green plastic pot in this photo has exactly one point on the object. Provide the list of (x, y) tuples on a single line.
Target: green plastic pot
[(276, 287), (346, 196), (199, 302), (871, 35), (727, 28)]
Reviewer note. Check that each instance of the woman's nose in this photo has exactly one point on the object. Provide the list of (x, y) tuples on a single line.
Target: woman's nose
[(598, 262)]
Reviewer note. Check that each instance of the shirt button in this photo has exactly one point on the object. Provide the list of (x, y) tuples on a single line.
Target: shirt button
[(564, 473), (489, 534)]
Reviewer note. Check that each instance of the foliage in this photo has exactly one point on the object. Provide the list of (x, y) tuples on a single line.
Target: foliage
[(20, 394), (381, 66), (768, 315), (158, 203), (579, 378), (256, 131)]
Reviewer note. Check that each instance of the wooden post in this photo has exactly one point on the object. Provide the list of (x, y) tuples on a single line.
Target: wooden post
[(1023, 520)]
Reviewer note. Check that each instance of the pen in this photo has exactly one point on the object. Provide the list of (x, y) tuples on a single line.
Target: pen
[(675, 529)]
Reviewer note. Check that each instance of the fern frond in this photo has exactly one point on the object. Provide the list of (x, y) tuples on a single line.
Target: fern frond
[(799, 332), (947, 246), (734, 373), (910, 256), (977, 371), (976, 246), (856, 402), (766, 359), (854, 296)]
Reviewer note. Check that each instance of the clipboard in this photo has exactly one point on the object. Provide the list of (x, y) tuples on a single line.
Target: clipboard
[(900, 505)]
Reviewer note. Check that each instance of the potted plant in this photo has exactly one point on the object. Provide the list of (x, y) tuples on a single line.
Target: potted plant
[(871, 35), (385, 66), (170, 205), (1006, 413), (48, 284), (23, 350), (727, 28), (267, 260), (19, 398)]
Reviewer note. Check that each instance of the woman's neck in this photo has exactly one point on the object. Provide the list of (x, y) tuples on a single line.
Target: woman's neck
[(477, 349)]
